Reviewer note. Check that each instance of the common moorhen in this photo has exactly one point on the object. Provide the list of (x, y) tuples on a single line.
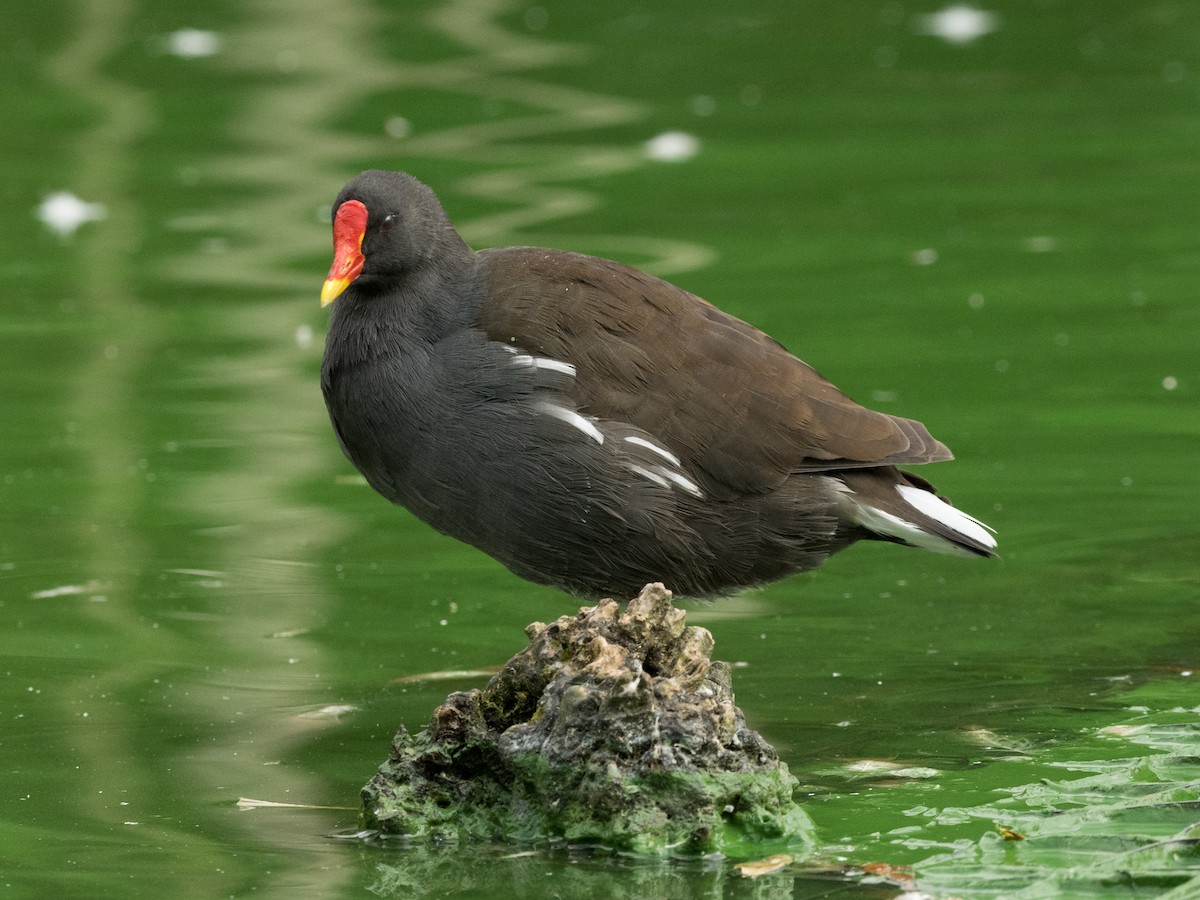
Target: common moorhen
[(593, 427)]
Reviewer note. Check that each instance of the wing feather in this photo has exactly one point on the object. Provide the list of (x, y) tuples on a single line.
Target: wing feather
[(739, 408)]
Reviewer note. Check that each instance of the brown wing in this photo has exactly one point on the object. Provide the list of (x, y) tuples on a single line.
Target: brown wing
[(725, 397)]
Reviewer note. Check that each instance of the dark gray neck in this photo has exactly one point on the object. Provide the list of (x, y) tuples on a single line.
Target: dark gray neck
[(421, 308)]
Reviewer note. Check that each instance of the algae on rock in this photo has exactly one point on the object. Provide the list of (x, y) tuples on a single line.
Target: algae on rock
[(609, 729)]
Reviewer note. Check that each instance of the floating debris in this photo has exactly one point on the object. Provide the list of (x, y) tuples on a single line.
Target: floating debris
[(672, 146), (192, 43), (247, 803), (878, 768), (64, 213), (448, 675), (901, 876), (760, 867), (68, 590), (990, 740), (959, 24)]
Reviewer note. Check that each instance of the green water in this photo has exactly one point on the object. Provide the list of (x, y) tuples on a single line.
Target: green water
[(199, 603)]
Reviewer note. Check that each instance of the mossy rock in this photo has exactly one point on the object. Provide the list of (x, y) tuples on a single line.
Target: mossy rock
[(610, 729)]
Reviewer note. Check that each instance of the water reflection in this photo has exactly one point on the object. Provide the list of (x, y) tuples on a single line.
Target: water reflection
[(523, 173), (203, 565)]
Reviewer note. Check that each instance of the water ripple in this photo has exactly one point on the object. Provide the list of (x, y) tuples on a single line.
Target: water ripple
[(523, 174)]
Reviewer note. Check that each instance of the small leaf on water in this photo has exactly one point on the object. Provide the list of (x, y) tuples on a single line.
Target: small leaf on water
[(901, 876), (990, 740), (766, 866), (1009, 834)]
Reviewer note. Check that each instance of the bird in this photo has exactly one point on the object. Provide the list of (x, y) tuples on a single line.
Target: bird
[(596, 428)]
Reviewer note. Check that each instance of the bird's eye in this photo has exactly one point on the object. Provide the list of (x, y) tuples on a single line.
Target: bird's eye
[(389, 222)]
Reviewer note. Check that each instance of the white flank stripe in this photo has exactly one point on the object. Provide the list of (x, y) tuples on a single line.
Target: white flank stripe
[(573, 419), (554, 365), (954, 519), (650, 445), (543, 362), (646, 473), (686, 483)]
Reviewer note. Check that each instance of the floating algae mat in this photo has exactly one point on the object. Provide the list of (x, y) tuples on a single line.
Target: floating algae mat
[(1130, 826), (610, 729)]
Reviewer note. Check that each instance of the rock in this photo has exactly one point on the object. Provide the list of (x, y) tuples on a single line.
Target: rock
[(610, 729)]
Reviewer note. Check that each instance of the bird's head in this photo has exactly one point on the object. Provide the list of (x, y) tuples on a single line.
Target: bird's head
[(386, 226)]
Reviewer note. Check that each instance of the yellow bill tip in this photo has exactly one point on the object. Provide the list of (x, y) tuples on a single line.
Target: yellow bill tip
[(332, 289)]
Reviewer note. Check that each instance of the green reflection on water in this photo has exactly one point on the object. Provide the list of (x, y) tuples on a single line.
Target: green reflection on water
[(200, 604)]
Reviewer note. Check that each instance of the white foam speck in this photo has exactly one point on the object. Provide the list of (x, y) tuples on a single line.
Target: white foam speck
[(63, 212), (397, 127), (958, 24), (193, 43), (1040, 243), (672, 146)]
